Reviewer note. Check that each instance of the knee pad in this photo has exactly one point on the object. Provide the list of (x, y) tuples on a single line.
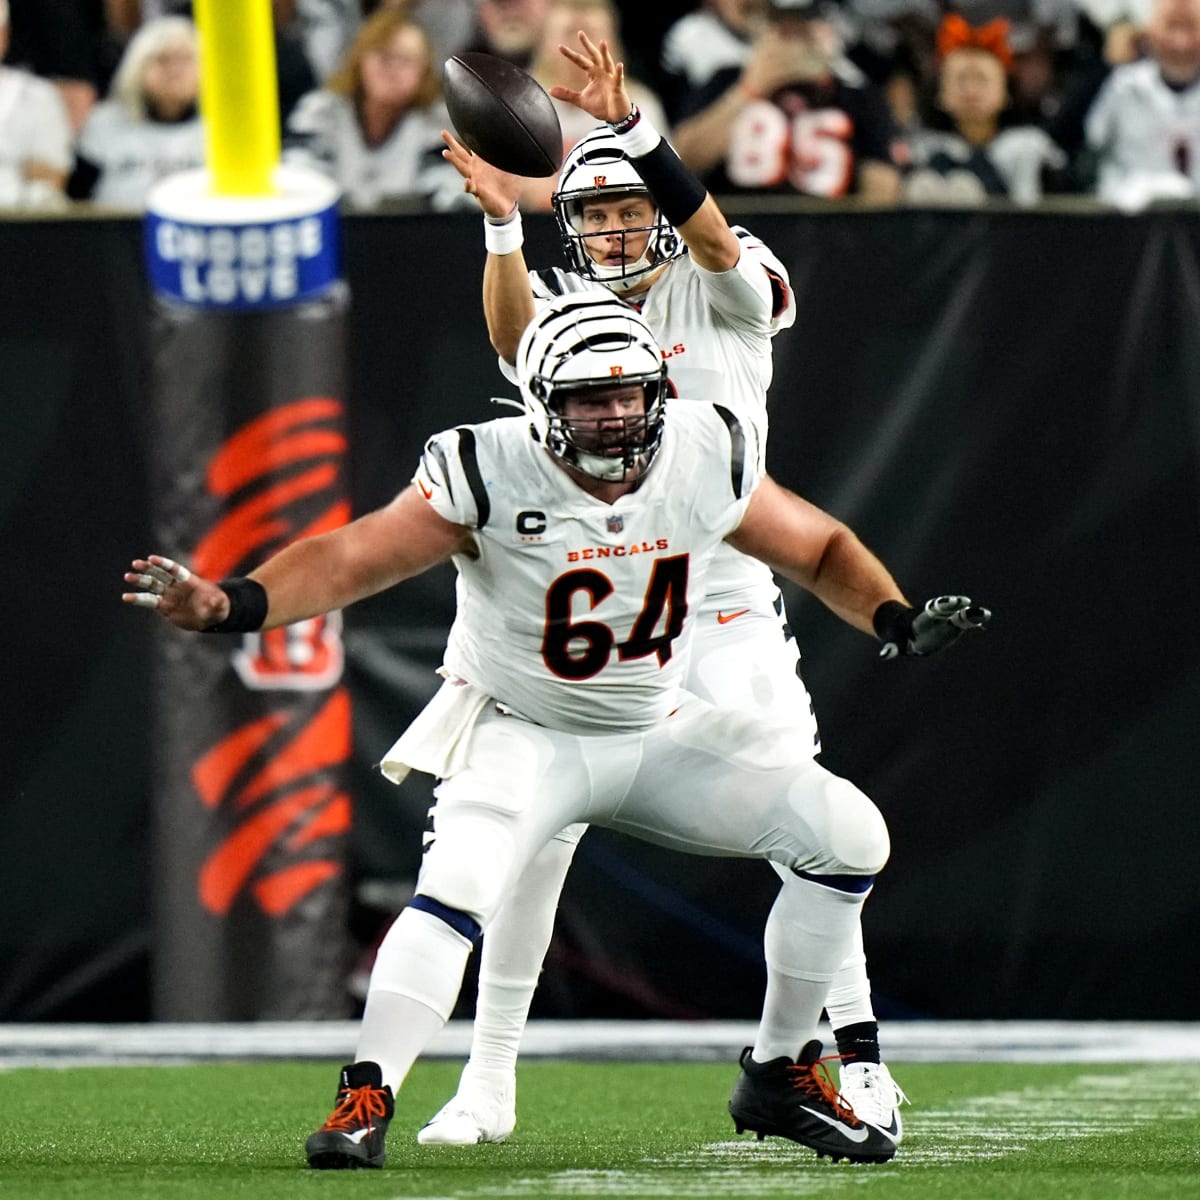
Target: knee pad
[(858, 836), (851, 835), (467, 866)]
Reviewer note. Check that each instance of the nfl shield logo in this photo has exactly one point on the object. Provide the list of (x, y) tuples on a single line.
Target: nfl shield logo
[(616, 524)]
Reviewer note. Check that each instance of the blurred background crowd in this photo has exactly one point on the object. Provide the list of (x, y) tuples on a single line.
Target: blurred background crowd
[(895, 101)]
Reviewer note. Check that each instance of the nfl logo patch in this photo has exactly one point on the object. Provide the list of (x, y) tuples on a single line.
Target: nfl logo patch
[(616, 524)]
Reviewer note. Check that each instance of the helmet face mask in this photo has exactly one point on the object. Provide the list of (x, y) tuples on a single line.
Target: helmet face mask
[(614, 449), (592, 348), (597, 169)]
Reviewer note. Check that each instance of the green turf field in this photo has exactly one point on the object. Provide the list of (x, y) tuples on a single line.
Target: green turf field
[(973, 1132)]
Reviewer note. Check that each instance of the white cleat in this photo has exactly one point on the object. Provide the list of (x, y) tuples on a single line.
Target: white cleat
[(874, 1095), (471, 1117)]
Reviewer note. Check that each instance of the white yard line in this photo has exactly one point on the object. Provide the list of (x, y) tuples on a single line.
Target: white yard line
[(978, 1127)]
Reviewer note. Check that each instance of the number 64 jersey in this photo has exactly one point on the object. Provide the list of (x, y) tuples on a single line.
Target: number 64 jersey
[(575, 613)]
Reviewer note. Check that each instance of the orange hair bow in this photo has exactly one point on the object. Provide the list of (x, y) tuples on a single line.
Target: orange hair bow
[(955, 34)]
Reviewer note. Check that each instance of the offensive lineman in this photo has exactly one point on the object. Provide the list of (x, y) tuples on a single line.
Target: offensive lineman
[(563, 698), (715, 297)]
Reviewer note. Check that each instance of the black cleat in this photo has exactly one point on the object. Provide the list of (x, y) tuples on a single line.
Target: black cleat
[(797, 1100), (354, 1134)]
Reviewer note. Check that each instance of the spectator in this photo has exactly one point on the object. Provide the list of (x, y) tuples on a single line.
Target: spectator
[(61, 40), (1122, 24), (510, 29), (1144, 126), (35, 135), (599, 20), (295, 73), (449, 24), (375, 128), (324, 28), (717, 38), (977, 157), (797, 118), (150, 125)]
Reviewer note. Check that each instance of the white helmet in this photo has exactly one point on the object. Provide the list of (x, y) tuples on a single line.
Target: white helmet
[(597, 168), (587, 341)]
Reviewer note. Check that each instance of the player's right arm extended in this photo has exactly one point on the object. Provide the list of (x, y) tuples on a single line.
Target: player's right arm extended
[(333, 570), (507, 297), (311, 576)]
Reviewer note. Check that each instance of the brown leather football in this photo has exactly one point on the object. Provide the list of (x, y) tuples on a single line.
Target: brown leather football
[(503, 114)]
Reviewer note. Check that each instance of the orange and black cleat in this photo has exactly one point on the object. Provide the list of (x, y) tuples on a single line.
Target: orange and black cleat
[(355, 1132), (798, 1100)]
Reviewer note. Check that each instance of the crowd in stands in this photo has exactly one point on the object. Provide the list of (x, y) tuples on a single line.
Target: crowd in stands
[(917, 102)]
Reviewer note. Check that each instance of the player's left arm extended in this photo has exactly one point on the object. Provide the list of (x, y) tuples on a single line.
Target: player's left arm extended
[(707, 235), (817, 551)]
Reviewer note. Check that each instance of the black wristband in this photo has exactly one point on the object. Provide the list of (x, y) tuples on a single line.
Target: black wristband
[(893, 623), (677, 191), (247, 606)]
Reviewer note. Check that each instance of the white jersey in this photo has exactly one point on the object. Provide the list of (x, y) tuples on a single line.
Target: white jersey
[(574, 613), (1147, 136), (715, 330), (324, 133), (33, 128), (132, 154)]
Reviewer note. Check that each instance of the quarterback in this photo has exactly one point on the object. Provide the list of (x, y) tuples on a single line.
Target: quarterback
[(715, 297), (563, 698)]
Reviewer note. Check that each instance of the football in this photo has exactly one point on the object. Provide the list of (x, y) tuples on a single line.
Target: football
[(502, 114)]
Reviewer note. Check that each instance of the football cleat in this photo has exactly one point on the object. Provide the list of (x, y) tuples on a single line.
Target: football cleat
[(875, 1096), (355, 1132), (798, 1100), (483, 1110)]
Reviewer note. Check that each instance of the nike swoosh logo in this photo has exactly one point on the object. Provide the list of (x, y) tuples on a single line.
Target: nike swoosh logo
[(427, 495), (855, 1135), (357, 1136), (725, 618), (890, 1132)]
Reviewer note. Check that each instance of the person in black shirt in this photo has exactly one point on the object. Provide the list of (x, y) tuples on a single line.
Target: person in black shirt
[(796, 118)]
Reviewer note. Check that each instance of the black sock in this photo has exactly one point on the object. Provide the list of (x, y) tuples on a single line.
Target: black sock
[(858, 1042)]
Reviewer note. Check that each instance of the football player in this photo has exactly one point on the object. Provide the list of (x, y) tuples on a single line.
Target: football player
[(546, 719), (635, 220)]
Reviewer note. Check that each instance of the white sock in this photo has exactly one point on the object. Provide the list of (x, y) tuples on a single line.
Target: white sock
[(500, 1015), (414, 984), (849, 999), (809, 933), (514, 948)]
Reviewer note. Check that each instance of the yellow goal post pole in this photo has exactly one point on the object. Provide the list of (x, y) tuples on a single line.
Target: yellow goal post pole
[(239, 96)]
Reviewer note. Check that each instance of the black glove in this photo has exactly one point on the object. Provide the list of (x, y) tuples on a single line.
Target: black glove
[(943, 620)]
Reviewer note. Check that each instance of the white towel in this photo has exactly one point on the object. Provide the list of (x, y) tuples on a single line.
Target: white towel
[(438, 740)]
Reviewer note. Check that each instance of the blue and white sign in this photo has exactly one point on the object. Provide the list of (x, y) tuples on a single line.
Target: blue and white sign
[(242, 254)]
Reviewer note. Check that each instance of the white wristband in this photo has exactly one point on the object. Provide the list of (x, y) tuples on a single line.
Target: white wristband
[(640, 139), (505, 235)]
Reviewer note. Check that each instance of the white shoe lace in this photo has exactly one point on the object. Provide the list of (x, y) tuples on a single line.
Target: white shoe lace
[(874, 1095)]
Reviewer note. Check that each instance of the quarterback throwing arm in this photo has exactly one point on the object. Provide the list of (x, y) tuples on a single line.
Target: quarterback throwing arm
[(625, 248)]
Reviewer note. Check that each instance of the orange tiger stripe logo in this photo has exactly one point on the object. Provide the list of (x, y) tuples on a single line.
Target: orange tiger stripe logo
[(280, 810)]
